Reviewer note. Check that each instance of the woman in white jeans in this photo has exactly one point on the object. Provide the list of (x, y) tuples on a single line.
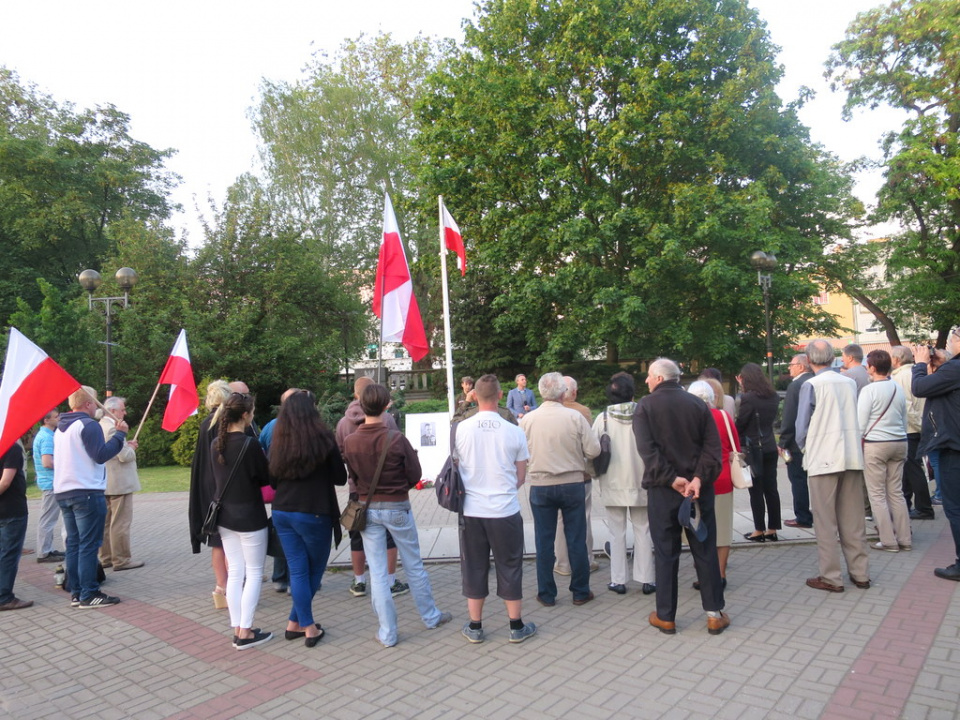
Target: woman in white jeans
[(243, 517), (389, 510), (620, 489)]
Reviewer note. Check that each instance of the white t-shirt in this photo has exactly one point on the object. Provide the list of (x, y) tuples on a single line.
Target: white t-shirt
[(489, 448)]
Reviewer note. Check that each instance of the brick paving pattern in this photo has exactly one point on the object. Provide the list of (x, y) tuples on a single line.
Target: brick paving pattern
[(889, 652)]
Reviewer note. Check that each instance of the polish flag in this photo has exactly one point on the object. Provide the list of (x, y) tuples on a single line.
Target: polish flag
[(178, 373), (393, 299), (32, 385), (454, 240)]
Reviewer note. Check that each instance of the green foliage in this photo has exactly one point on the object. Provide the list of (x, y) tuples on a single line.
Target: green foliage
[(613, 165), (65, 177), (154, 443), (332, 405), (185, 444), (425, 406), (907, 55)]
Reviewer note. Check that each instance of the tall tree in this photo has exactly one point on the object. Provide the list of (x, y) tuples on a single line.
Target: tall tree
[(907, 55), (616, 162), (65, 176)]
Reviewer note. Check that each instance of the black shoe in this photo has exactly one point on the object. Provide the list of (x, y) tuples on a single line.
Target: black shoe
[(754, 538), (312, 641), (618, 588), (914, 515), (546, 603), (648, 588), (949, 573), (258, 639)]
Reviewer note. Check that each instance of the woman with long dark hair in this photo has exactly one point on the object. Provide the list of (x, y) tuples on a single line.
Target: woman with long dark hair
[(242, 522), (305, 465), (758, 410)]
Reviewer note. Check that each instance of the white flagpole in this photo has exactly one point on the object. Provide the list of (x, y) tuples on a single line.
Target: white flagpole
[(446, 311)]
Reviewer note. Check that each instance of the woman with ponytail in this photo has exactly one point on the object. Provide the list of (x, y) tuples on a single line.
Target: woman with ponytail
[(240, 470)]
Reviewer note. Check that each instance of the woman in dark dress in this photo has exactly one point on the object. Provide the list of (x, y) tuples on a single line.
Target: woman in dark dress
[(305, 465), (758, 411), (202, 491)]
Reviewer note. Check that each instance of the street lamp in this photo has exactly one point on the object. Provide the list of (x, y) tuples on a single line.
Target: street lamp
[(90, 280), (765, 263)]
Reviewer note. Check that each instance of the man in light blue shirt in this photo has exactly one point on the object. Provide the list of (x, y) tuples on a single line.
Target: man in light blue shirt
[(49, 509)]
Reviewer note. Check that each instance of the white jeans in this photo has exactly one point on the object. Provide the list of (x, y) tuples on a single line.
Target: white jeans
[(643, 569), (245, 553)]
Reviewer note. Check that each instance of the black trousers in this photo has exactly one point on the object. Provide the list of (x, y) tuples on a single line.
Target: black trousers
[(663, 505), (915, 487)]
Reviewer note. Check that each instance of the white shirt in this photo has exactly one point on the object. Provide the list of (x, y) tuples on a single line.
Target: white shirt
[(489, 448)]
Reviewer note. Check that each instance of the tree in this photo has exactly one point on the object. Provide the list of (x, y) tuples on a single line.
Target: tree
[(907, 55), (615, 163), (65, 177)]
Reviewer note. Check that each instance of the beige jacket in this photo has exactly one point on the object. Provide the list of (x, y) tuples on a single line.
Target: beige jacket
[(560, 441), (620, 485), (903, 376), (122, 477)]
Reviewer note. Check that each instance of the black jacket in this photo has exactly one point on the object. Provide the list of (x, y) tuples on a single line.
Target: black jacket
[(755, 420), (791, 403), (941, 412), (676, 437)]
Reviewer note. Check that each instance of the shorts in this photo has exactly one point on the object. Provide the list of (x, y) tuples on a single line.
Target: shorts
[(504, 536)]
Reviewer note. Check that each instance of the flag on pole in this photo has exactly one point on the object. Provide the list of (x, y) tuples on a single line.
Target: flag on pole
[(453, 239), (178, 373), (393, 299), (32, 385)]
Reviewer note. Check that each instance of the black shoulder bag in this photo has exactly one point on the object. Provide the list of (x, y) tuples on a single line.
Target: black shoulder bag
[(212, 518)]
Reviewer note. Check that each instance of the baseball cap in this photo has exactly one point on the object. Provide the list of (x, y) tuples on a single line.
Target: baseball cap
[(690, 518)]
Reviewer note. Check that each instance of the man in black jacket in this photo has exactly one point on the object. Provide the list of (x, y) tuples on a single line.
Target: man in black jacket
[(800, 372), (678, 441), (941, 430)]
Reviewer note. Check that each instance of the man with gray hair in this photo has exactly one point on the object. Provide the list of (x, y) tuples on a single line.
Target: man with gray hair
[(829, 435), (560, 442), (122, 482), (800, 372), (852, 357), (563, 560), (915, 487), (682, 456)]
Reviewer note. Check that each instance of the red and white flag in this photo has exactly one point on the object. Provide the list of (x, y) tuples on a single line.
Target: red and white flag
[(178, 373), (393, 299), (32, 385), (453, 239)]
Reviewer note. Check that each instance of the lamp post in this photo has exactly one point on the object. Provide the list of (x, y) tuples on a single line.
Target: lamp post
[(90, 280), (765, 263)]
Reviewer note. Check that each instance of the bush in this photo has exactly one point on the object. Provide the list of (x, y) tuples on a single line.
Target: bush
[(155, 443), (185, 444), (426, 406)]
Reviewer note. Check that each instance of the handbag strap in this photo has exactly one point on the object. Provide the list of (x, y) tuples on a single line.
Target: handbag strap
[(376, 475), (453, 443), (726, 422), (605, 421), (233, 471), (877, 421)]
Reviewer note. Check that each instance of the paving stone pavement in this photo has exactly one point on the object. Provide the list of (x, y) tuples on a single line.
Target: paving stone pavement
[(889, 652)]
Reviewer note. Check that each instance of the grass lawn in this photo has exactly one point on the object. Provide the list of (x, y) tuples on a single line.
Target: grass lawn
[(170, 478)]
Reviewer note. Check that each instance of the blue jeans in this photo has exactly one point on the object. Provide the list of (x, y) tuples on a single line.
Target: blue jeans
[(398, 519), (83, 519), (12, 532), (801, 491), (545, 502), (306, 545)]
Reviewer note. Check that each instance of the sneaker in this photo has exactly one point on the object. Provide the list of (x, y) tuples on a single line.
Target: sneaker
[(518, 636), (236, 638), (561, 571), (399, 588), (99, 599), (618, 588), (74, 601), (259, 638), (887, 548), (949, 573), (936, 500), (474, 636), (445, 617), (358, 589)]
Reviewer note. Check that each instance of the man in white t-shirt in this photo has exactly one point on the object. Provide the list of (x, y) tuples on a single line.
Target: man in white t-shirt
[(493, 463)]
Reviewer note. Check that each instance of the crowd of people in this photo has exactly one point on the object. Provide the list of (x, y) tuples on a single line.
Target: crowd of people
[(853, 441)]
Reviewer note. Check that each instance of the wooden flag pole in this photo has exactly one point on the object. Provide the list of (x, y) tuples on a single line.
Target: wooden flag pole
[(146, 412)]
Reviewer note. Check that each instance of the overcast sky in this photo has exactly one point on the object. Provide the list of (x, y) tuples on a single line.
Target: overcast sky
[(187, 72)]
